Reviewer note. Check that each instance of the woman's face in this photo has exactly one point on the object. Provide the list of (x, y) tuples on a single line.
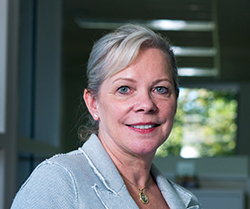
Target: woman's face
[(136, 106)]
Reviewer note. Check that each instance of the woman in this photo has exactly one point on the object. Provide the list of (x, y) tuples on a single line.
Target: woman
[(132, 96)]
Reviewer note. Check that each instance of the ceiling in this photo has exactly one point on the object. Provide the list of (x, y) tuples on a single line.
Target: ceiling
[(78, 41), (226, 37)]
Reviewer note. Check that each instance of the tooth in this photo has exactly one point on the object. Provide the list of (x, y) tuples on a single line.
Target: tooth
[(143, 127)]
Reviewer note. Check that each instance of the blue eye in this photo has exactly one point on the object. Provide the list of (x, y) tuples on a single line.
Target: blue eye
[(161, 89), (123, 89)]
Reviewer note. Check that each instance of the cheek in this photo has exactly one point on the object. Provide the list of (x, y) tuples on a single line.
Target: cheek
[(168, 109), (113, 111)]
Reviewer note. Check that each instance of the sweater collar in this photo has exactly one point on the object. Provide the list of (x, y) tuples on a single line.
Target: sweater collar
[(113, 191), (104, 168), (176, 196), (102, 164)]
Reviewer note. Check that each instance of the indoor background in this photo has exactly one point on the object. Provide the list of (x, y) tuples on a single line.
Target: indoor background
[(44, 50)]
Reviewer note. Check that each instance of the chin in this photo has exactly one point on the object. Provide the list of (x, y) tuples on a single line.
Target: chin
[(145, 148)]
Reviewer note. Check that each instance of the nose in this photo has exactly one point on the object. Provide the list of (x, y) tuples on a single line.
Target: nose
[(145, 103)]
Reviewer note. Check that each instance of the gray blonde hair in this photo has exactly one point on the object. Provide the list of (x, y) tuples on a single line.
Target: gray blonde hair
[(116, 51)]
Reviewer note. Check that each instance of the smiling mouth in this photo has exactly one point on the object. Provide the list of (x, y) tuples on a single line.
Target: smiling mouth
[(143, 126)]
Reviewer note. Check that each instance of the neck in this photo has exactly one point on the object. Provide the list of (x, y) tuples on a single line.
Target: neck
[(135, 168)]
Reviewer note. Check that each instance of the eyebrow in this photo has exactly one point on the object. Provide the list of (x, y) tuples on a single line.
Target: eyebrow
[(161, 80), (125, 79)]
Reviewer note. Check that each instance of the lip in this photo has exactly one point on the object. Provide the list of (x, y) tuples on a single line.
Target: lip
[(143, 128)]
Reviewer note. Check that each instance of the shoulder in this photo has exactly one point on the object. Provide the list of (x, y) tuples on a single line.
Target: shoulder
[(67, 161), (52, 183)]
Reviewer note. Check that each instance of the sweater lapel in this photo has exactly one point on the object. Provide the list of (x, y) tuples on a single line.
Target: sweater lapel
[(110, 188)]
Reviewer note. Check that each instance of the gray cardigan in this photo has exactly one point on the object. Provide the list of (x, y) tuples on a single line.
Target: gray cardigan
[(87, 178)]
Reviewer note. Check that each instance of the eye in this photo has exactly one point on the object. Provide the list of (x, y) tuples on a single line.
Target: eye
[(123, 89), (161, 89)]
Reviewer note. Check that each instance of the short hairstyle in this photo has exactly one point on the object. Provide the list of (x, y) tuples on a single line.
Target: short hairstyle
[(117, 50)]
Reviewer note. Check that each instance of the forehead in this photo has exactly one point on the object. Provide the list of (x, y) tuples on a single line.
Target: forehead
[(149, 62)]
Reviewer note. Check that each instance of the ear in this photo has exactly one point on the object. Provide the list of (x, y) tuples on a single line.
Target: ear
[(91, 103)]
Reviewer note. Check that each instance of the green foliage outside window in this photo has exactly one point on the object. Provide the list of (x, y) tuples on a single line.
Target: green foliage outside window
[(205, 123)]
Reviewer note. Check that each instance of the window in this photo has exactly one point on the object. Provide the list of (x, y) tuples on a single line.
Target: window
[(205, 124)]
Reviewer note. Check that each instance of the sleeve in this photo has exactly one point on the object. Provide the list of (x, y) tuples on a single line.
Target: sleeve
[(49, 186)]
